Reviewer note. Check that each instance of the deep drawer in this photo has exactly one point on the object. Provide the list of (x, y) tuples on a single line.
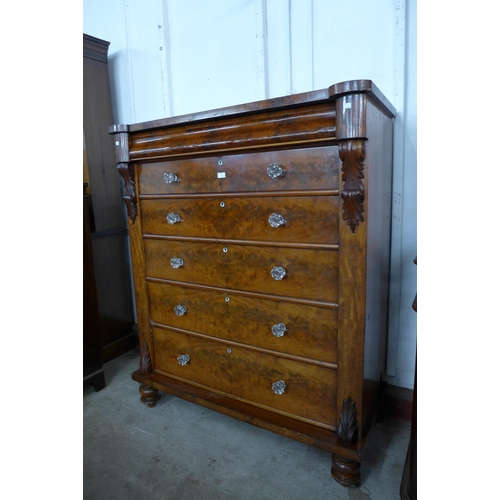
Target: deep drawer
[(308, 168), (310, 331), (310, 274), (310, 219), (310, 391)]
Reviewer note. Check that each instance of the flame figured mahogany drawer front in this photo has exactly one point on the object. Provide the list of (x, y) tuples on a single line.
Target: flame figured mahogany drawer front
[(307, 274), (311, 168), (311, 219), (307, 331), (309, 391)]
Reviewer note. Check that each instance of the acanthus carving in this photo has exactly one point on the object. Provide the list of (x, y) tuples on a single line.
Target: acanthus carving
[(145, 361), (347, 430), (352, 155), (129, 196)]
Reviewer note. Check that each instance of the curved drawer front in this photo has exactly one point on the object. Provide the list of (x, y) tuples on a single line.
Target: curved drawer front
[(308, 331), (289, 219), (308, 168), (310, 391), (310, 274)]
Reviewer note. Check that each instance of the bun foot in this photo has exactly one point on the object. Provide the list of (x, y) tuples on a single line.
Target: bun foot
[(346, 472), (149, 395)]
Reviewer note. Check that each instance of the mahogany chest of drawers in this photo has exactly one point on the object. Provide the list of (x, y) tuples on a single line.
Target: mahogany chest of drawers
[(260, 238)]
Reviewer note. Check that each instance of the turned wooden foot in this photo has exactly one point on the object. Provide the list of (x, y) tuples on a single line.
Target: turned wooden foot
[(149, 395), (346, 472)]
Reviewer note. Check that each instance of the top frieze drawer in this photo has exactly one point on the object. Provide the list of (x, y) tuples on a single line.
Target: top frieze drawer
[(286, 170)]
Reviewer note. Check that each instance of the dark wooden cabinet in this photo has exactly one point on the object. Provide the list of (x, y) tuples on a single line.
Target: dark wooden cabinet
[(93, 372), (109, 240), (260, 239)]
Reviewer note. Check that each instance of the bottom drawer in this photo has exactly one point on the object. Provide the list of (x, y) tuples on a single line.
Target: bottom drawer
[(308, 392)]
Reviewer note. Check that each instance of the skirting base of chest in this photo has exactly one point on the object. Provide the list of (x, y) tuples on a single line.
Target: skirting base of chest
[(345, 459)]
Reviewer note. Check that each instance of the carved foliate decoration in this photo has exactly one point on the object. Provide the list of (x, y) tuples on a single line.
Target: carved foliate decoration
[(145, 361), (129, 196), (352, 155), (347, 430)]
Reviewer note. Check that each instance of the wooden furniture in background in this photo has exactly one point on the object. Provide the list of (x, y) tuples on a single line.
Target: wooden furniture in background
[(408, 489), (109, 241), (93, 373), (260, 238)]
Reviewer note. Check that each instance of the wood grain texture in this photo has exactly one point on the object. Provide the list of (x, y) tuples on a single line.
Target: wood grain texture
[(334, 145), (311, 219), (352, 155), (300, 124), (249, 376), (311, 274), (306, 168), (311, 331), (139, 277)]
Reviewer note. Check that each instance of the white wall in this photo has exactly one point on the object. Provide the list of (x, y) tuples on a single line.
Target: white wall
[(171, 57)]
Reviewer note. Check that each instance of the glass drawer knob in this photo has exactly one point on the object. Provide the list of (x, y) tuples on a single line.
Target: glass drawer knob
[(173, 218), (278, 273), (180, 310), (176, 262), (279, 387), (274, 171), (279, 329), (183, 359), (276, 220), (170, 178)]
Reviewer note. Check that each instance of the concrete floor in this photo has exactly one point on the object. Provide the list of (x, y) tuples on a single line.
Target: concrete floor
[(182, 451)]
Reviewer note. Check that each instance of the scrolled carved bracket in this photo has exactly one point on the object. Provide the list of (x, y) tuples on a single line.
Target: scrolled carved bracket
[(145, 367), (347, 430), (129, 196), (352, 155)]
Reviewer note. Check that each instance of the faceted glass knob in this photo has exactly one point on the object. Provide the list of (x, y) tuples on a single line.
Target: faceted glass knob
[(278, 272), (170, 178), (274, 171), (183, 359), (276, 220), (173, 218), (180, 310), (279, 387), (176, 262), (279, 329)]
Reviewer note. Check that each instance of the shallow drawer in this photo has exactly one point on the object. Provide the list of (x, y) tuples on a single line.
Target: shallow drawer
[(311, 219), (296, 329), (308, 168), (308, 392), (308, 274)]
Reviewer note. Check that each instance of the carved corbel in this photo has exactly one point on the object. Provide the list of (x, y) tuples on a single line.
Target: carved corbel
[(145, 367), (352, 156), (129, 196), (125, 168), (347, 430)]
